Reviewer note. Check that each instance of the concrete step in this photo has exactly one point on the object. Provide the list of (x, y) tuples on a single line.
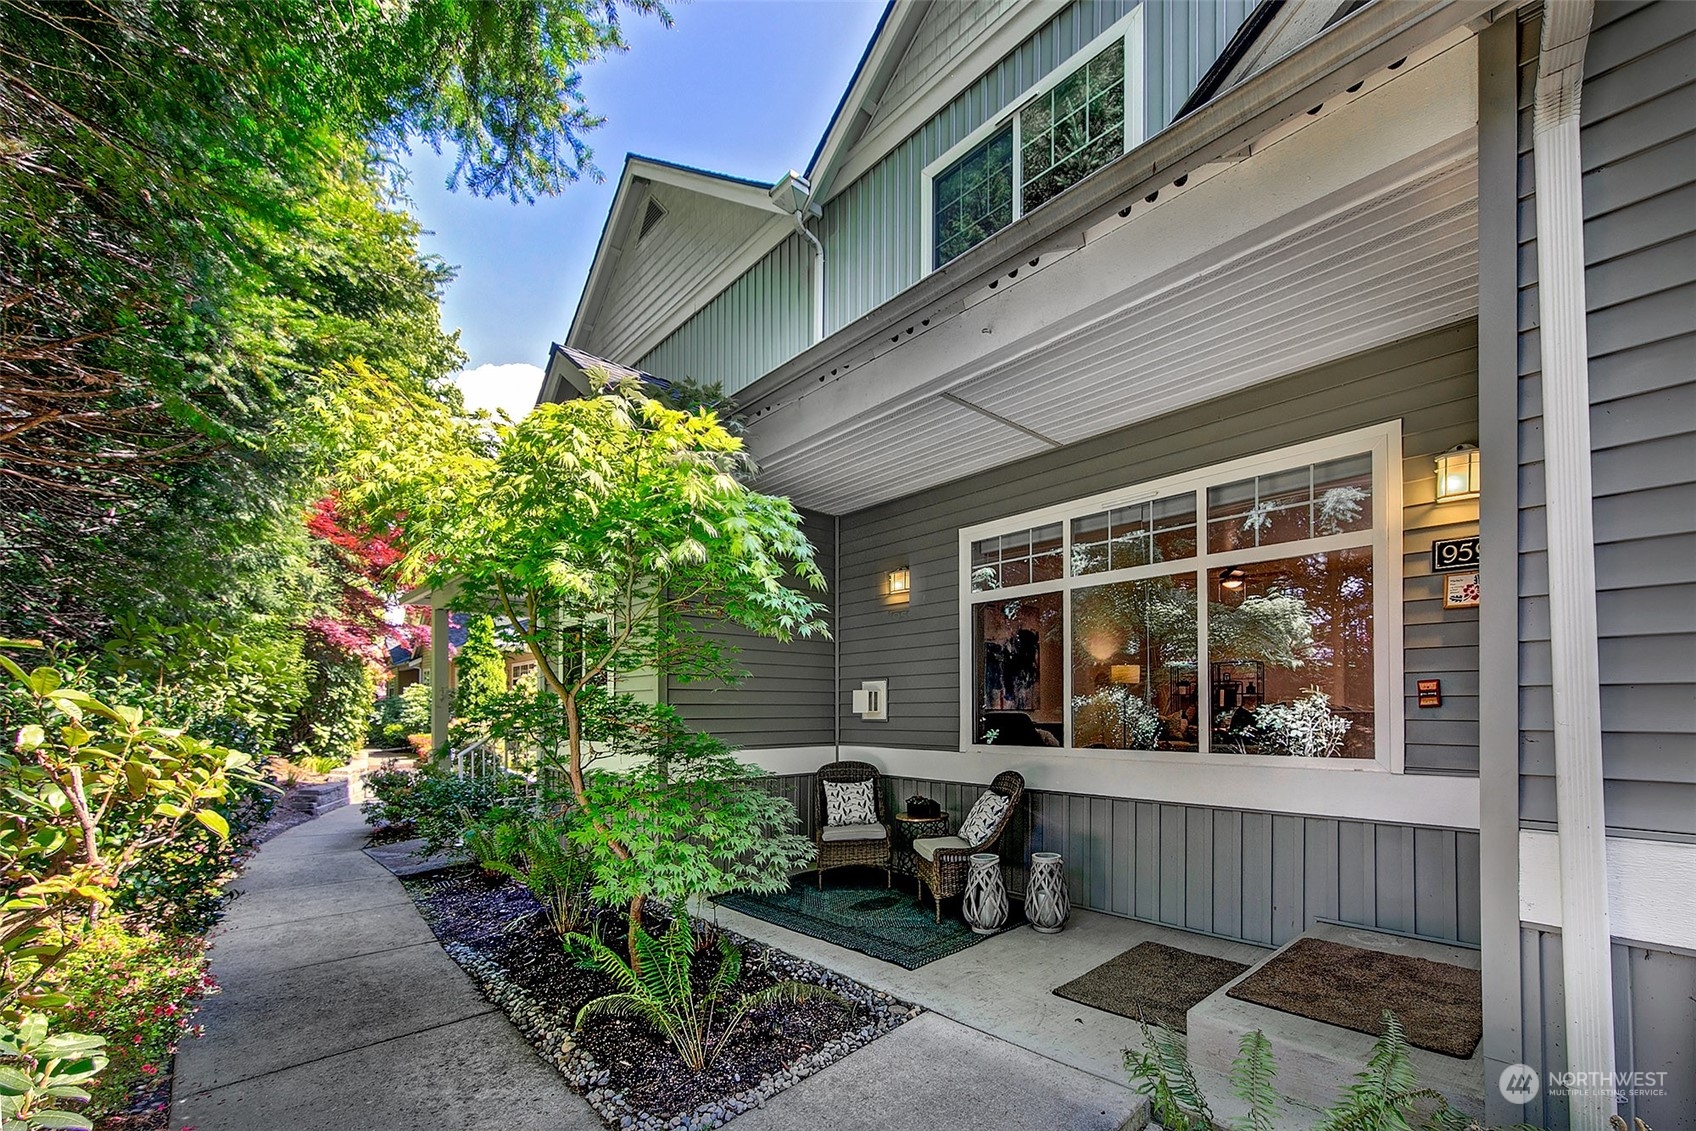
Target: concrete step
[(1317, 1061), (318, 799)]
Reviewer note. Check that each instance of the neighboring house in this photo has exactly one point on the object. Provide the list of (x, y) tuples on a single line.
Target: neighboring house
[(408, 666), (1111, 349)]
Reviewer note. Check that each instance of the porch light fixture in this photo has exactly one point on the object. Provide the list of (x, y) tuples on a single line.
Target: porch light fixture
[(1125, 673), (1457, 474), (900, 582)]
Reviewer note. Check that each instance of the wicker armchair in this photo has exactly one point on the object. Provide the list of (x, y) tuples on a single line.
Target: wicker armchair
[(944, 870), (837, 852)]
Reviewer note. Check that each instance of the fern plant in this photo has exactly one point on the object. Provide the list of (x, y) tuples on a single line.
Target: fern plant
[(1161, 1071), (537, 852), (1252, 1074), (1384, 1097), (698, 1016)]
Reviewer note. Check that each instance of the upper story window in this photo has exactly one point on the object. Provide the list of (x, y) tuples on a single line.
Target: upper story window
[(1247, 610), (1065, 128)]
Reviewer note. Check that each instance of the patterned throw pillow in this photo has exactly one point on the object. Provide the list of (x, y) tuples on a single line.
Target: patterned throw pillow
[(849, 803), (983, 818)]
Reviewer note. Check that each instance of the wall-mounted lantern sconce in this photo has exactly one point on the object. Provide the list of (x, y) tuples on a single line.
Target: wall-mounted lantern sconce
[(1125, 673), (900, 582), (1457, 474)]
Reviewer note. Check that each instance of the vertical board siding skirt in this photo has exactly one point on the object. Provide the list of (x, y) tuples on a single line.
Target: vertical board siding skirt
[(1587, 966), (1494, 854), (441, 683)]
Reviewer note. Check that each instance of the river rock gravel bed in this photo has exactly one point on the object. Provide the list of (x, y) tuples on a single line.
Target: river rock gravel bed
[(631, 1075)]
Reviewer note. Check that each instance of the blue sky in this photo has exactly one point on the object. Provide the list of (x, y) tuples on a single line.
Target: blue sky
[(737, 86)]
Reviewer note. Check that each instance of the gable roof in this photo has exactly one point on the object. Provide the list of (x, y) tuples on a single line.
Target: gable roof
[(626, 217), (568, 369)]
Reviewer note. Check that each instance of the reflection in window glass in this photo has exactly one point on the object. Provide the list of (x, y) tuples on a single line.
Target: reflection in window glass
[(1018, 671), (1162, 530), (1134, 680), (1018, 558), (1290, 656), (1074, 129), (1286, 506), (972, 199)]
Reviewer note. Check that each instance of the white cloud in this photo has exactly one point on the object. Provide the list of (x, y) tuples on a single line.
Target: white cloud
[(512, 387)]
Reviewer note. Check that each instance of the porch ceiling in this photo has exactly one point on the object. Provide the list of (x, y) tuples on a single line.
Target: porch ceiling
[(1396, 263)]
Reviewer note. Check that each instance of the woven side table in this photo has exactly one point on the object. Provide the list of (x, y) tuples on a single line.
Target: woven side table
[(907, 830), (1047, 903), (984, 904)]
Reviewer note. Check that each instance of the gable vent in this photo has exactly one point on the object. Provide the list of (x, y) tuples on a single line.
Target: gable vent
[(650, 218)]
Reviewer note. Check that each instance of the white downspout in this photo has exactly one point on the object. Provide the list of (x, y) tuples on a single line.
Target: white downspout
[(800, 218), (1586, 943)]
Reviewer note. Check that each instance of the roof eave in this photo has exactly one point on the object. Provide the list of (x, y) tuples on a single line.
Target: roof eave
[(1346, 53), (736, 190)]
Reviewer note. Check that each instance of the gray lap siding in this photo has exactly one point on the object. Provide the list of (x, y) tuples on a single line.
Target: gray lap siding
[(1429, 382)]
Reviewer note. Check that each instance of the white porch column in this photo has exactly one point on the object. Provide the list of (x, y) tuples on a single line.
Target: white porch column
[(441, 689), (1585, 936)]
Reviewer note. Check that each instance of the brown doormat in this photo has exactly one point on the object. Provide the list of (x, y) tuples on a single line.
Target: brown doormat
[(1439, 1004), (1152, 982)]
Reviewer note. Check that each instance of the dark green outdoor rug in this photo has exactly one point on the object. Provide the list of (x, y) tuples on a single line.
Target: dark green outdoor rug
[(885, 923), (1152, 982)]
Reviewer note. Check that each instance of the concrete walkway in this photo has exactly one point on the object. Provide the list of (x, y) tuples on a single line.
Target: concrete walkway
[(340, 1010)]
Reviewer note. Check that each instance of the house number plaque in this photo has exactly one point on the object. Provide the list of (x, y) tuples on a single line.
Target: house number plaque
[(1449, 554)]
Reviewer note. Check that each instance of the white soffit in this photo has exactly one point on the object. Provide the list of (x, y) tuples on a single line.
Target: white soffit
[(936, 441), (1396, 266), (1299, 275), (1399, 265)]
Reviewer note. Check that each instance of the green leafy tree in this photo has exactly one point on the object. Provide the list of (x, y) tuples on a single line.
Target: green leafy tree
[(602, 528), (198, 219), (482, 670)]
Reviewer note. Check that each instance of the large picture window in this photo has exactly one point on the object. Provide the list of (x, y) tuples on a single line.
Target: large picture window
[(1070, 124), (1232, 612)]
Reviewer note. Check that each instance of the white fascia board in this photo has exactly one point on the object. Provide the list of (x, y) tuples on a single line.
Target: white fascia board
[(882, 60), (1425, 117), (730, 189), (933, 97), (607, 252), (1651, 887), (613, 235), (1356, 794)]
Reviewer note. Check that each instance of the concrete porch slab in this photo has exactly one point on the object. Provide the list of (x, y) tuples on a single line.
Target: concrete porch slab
[(1317, 1061), (1003, 986), (933, 1073)]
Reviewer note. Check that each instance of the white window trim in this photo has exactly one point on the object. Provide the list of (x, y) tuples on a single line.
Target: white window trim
[(1128, 29), (1383, 441)]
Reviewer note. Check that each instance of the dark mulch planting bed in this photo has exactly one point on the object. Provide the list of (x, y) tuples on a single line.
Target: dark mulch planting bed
[(1152, 982), (496, 931), (1439, 1004)]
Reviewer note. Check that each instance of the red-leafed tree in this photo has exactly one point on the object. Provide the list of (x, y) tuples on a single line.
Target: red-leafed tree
[(348, 637)]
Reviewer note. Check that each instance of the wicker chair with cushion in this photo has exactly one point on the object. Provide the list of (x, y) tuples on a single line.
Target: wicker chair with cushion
[(845, 838), (942, 861)]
